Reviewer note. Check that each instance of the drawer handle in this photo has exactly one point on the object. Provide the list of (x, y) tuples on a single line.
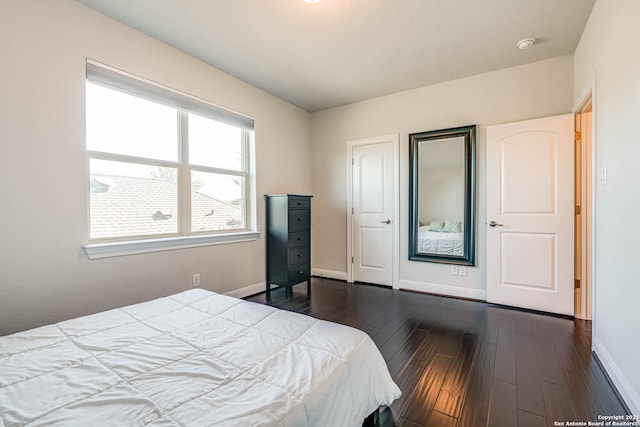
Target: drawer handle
[(300, 272), (299, 238), (299, 219), (299, 255), (299, 203)]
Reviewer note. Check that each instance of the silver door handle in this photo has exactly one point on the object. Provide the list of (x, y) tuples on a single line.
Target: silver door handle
[(495, 224), (386, 222)]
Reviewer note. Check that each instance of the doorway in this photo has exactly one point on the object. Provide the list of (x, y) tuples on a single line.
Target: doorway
[(584, 207), (372, 207)]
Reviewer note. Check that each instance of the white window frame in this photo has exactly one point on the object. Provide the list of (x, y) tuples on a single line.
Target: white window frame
[(185, 104)]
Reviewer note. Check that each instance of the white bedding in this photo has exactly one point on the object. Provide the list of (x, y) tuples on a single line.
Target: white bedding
[(440, 243), (192, 359)]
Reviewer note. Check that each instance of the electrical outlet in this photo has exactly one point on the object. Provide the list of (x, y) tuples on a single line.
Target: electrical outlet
[(195, 280), (454, 269), (462, 270)]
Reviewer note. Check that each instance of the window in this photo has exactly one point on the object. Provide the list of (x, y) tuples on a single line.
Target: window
[(162, 164)]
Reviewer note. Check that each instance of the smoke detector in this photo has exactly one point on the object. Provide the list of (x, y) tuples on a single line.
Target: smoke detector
[(525, 44)]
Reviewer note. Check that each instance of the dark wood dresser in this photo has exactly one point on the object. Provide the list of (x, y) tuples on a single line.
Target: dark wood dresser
[(288, 241)]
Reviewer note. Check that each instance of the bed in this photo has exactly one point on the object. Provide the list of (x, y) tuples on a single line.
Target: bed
[(438, 242), (192, 359)]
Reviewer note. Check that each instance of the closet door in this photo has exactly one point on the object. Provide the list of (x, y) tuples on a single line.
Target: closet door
[(373, 221)]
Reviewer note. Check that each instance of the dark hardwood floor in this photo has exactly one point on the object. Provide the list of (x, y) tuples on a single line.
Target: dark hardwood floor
[(467, 363)]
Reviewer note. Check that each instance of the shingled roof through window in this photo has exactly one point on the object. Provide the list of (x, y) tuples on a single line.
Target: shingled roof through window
[(130, 206)]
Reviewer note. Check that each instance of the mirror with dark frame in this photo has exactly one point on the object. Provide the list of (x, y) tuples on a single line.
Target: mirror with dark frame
[(442, 196)]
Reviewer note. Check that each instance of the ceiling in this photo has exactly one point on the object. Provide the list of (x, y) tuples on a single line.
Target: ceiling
[(336, 52)]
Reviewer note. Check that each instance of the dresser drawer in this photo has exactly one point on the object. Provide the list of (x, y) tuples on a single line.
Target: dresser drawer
[(299, 203), (299, 256), (298, 273), (299, 219), (301, 238), (288, 235)]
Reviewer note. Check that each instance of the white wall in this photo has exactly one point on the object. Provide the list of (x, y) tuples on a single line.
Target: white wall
[(441, 194), (441, 183), (44, 274), (608, 49), (534, 90)]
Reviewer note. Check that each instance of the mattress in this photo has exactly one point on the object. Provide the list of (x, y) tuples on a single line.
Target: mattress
[(440, 243), (192, 359)]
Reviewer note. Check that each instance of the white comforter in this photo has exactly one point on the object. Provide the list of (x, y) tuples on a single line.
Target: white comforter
[(440, 243), (192, 359)]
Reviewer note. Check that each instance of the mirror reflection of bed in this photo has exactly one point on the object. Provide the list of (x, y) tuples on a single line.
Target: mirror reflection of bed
[(442, 196), (441, 184)]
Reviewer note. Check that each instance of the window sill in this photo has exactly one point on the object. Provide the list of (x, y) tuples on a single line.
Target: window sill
[(132, 247)]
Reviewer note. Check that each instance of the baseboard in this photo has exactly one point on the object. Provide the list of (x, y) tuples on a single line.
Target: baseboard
[(329, 274), (260, 287), (247, 290), (432, 288), (452, 291), (628, 394)]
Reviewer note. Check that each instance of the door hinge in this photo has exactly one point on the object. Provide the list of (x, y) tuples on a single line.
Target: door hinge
[(577, 284), (353, 211), (353, 161), (351, 260), (578, 210), (577, 136)]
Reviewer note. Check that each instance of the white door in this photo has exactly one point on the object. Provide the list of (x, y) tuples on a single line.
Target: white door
[(530, 206), (373, 211)]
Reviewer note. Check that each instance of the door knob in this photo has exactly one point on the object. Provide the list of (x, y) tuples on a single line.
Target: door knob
[(495, 224), (386, 222)]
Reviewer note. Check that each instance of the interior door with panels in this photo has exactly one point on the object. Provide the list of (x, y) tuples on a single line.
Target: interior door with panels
[(530, 201), (373, 198)]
